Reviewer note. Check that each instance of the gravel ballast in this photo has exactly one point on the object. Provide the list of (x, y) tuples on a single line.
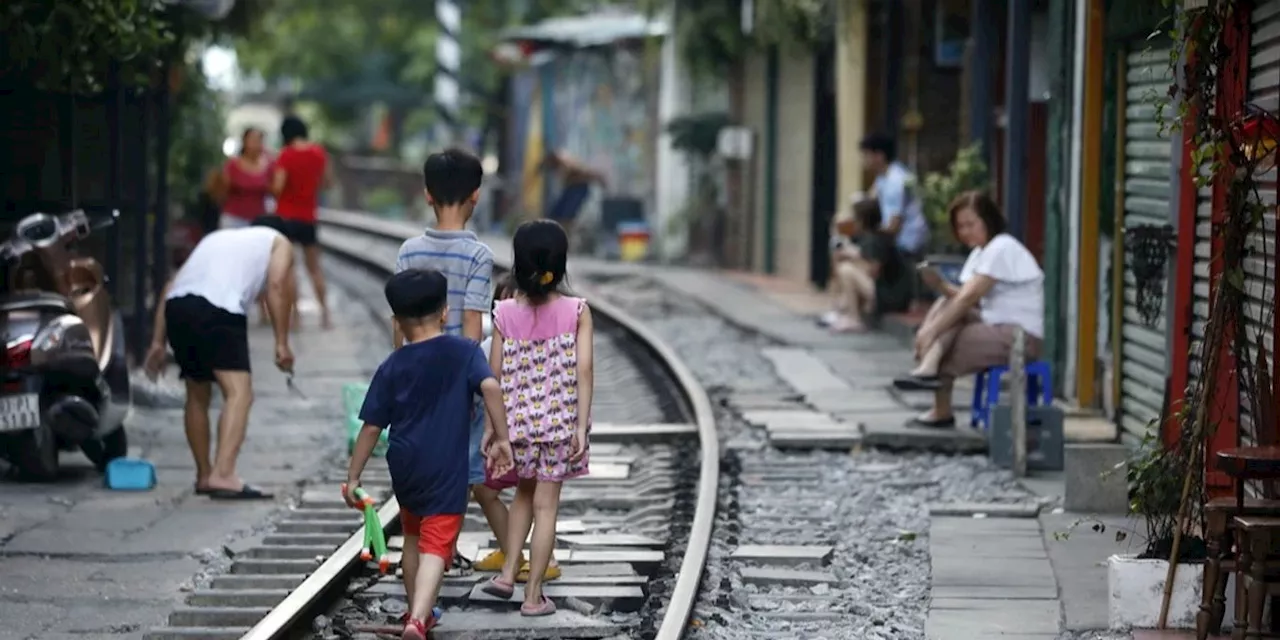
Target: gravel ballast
[(870, 506)]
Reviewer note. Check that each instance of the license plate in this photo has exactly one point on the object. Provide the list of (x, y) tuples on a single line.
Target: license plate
[(19, 412)]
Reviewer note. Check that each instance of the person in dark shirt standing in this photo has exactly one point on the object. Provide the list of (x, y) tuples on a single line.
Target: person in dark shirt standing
[(424, 391)]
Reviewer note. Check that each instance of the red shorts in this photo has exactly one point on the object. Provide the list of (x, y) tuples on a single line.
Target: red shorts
[(437, 535)]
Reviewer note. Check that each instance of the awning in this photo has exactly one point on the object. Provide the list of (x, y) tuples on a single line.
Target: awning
[(591, 30)]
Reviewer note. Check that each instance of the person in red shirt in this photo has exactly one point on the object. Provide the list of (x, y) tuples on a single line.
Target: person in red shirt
[(301, 171)]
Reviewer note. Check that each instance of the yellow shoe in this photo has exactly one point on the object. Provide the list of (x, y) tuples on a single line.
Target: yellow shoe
[(552, 572), (492, 562)]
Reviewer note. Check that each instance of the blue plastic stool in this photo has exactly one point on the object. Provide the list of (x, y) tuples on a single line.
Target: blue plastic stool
[(986, 390)]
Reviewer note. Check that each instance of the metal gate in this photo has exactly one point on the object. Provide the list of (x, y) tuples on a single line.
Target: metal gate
[(1259, 262), (1145, 200)]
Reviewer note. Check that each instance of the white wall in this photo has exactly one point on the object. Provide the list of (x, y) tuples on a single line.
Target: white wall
[(671, 175)]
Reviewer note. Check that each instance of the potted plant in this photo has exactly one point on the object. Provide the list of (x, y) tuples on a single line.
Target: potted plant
[(1136, 582), (967, 172)]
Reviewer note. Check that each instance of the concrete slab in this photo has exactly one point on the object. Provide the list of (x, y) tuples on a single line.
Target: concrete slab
[(773, 554), (630, 433), (979, 592), (857, 403), (804, 372), (991, 530), (510, 625), (993, 572), (789, 418), (815, 439), (1095, 478), (768, 576), (890, 431), (993, 510), (623, 598), (610, 540), (1079, 562), (1027, 618)]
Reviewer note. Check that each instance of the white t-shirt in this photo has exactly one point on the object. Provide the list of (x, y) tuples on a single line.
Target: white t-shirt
[(1017, 297), (228, 268)]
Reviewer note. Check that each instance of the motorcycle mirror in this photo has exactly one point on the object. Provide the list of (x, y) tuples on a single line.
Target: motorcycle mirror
[(105, 220)]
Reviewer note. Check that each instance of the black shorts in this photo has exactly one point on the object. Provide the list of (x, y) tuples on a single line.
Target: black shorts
[(206, 338), (297, 231)]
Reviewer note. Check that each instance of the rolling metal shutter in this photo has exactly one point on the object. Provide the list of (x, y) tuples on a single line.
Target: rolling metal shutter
[(1147, 198), (1259, 263)]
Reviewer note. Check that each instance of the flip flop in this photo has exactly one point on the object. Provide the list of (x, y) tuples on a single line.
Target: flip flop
[(202, 492), (545, 608), (247, 492), (943, 423), (499, 589)]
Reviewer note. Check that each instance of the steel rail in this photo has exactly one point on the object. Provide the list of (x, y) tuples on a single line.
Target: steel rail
[(675, 620)]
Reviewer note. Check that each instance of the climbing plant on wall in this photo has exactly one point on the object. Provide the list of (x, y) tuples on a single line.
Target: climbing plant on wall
[(1232, 144)]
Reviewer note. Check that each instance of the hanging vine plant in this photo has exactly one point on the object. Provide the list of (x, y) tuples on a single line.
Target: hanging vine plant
[(69, 45), (1232, 144)]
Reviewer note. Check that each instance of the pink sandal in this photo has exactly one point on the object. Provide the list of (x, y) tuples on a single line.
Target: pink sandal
[(499, 588), (545, 608)]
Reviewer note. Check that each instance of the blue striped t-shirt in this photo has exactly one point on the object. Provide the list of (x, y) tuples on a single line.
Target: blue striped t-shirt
[(465, 261)]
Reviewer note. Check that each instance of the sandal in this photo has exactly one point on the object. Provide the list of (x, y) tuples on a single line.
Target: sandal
[(917, 383), (247, 492), (938, 423), (499, 588), (461, 562), (545, 608), (436, 613), (417, 629)]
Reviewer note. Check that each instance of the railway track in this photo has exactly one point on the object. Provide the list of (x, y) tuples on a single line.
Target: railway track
[(633, 536)]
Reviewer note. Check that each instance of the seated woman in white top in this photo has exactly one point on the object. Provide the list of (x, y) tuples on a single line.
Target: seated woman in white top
[(971, 327)]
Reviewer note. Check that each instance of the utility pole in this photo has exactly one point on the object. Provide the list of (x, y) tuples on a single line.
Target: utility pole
[(1017, 105), (448, 61)]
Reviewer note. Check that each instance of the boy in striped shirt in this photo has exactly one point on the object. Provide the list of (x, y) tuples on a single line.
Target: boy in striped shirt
[(452, 179)]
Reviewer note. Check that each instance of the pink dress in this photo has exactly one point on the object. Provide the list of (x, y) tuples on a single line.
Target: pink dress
[(540, 385)]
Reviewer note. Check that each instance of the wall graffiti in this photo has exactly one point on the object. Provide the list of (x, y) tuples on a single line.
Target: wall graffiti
[(602, 116)]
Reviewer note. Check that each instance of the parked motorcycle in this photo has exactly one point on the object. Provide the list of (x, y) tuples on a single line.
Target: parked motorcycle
[(64, 380)]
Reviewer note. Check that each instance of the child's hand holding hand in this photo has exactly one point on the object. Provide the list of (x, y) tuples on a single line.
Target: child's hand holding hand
[(579, 445), (500, 458), (486, 441)]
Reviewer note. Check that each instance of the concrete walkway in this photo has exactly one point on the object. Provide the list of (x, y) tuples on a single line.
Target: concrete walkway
[(77, 560), (999, 570)]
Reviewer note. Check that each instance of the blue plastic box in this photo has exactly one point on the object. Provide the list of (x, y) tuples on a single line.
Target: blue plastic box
[(130, 474)]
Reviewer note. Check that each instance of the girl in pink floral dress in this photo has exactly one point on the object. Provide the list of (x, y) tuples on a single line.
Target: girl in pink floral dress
[(542, 355)]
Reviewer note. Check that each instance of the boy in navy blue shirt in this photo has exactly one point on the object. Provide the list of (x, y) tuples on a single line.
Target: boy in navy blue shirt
[(424, 392)]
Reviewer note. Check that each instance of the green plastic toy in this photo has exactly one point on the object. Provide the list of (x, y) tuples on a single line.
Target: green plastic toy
[(375, 543), (352, 399)]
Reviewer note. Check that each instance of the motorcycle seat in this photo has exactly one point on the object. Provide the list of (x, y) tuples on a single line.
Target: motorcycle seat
[(34, 301)]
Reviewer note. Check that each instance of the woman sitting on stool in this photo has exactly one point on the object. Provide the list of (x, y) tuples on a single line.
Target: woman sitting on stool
[(971, 327)]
